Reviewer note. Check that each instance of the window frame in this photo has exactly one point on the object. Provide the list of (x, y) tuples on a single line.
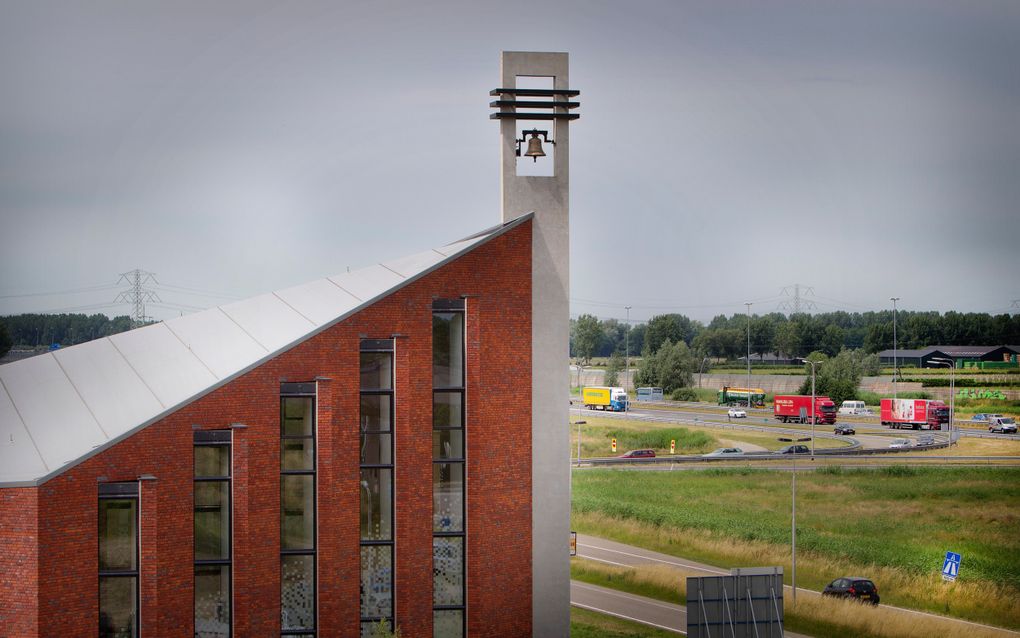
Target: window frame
[(301, 391), (126, 490)]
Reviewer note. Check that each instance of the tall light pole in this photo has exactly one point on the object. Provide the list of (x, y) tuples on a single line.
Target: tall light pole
[(814, 417), (894, 375), (626, 365), (700, 369), (793, 525), (951, 364), (748, 304)]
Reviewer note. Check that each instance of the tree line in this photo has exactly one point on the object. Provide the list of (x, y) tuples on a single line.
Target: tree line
[(39, 330), (792, 336)]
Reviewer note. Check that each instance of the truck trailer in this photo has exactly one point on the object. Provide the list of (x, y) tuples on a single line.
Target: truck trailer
[(914, 414), (797, 408), (604, 398), (738, 396)]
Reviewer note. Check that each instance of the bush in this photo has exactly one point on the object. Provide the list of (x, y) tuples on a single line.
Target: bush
[(684, 394)]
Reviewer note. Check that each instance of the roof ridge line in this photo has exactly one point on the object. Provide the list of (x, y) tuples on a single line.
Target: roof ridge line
[(140, 377), (80, 397), (28, 430), (299, 313), (250, 335), (189, 348), (330, 280)]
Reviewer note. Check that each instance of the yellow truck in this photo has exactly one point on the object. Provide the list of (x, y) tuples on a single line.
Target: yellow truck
[(604, 398)]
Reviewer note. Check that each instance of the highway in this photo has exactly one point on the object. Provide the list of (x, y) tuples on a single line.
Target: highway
[(668, 616)]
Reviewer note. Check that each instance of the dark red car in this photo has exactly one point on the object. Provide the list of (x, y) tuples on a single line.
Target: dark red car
[(638, 454)]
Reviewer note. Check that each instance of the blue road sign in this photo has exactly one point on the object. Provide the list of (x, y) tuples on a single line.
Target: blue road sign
[(951, 568)]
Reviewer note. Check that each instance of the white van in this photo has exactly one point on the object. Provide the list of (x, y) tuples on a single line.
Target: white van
[(852, 407)]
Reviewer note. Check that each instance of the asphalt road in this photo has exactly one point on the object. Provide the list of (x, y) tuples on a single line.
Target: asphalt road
[(614, 553)]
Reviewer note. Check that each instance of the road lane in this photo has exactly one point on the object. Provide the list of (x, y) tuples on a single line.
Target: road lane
[(607, 551)]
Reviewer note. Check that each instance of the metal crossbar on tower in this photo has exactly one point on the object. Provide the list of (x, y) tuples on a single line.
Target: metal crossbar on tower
[(136, 295), (797, 304)]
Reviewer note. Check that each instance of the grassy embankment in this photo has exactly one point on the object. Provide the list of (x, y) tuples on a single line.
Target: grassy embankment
[(589, 624), (597, 434), (892, 524)]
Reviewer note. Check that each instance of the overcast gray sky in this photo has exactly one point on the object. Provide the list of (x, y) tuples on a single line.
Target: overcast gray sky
[(725, 149)]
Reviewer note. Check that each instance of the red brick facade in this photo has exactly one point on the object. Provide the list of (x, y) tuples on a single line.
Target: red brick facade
[(48, 534)]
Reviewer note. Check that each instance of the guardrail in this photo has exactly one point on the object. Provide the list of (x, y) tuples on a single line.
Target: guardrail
[(766, 457)]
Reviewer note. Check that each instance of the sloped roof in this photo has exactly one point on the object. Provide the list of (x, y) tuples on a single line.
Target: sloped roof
[(62, 407)]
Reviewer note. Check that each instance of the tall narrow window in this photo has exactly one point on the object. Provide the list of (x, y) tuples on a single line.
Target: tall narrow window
[(212, 534), (118, 560), (297, 509), (376, 483), (448, 465)]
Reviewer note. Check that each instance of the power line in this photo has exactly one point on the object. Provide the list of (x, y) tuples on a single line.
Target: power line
[(797, 304), (61, 292), (136, 295)]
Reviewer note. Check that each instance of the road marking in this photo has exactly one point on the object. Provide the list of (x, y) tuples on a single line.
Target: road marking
[(785, 587), (619, 594), (637, 620), (656, 560)]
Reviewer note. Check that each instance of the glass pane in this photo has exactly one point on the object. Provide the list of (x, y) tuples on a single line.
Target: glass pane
[(447, 571), (117, 533), (447, 409), (297, 454), (212, 520), (297, 511), (296, 419), (297, 592), (447, 350), (376, 370), (448, 497), (376, 582), (118, 617), (212, 601), (376, 504), (376, 449), (375, 413), (448, 444), (447, 623), (212, 460)]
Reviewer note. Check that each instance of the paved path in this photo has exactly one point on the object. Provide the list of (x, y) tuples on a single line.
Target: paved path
[(614, 553)]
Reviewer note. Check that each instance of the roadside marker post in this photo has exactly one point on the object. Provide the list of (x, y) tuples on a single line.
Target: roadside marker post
[(614, 445), (672, 446), (951, 566), (573, 543)]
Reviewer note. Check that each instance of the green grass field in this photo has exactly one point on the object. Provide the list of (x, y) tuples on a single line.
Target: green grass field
[(893, 524), (597, 435)]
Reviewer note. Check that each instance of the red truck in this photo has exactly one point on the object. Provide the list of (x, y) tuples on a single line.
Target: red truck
[(914, 414), (792, 407)]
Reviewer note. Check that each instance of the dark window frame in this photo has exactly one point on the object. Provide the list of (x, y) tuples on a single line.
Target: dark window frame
[(449, 307), (376, 346), (302, 391), (219, 438), (128, 490)]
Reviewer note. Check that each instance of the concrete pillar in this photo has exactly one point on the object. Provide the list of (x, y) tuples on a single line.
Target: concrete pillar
[(547, 197)]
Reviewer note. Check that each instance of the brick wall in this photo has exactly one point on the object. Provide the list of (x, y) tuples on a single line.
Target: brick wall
[(496, 279)]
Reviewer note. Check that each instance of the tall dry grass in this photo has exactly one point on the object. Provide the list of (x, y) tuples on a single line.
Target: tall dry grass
[(984, 600), (829, 616)]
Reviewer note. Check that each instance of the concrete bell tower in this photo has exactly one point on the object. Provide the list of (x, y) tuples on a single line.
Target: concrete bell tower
[(547, 196)]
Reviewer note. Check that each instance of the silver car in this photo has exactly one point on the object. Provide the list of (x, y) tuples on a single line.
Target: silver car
[(724, 451)]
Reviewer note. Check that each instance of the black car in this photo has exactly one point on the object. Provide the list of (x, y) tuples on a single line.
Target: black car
[(844, 429), (794, 449), (853, 587)]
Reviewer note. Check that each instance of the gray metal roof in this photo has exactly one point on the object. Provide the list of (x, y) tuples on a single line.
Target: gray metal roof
[(62, 407)]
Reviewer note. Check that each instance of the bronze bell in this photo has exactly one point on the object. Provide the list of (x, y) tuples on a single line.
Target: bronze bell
[(535, 148)]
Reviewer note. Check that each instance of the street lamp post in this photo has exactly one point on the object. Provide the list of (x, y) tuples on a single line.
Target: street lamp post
[(814, 416), (748, 304), (894, 371), (701, 368), (626, 365), (951, 364)]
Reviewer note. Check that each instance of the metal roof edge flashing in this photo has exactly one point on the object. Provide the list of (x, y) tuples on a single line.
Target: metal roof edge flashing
[(492, 233)]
